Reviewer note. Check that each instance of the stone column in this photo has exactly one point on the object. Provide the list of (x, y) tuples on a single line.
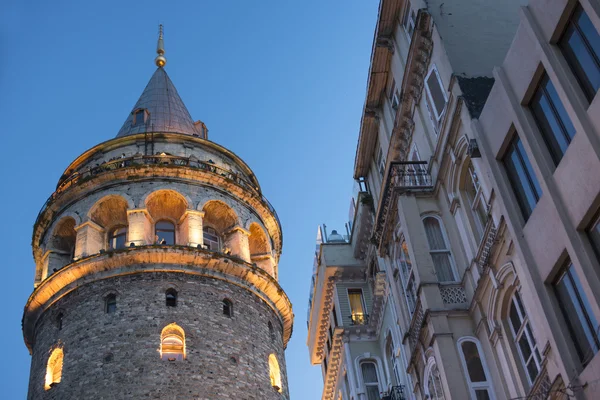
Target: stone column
[(140, 227), (190, 228), (237, 241), (265, 262), (90, 239)]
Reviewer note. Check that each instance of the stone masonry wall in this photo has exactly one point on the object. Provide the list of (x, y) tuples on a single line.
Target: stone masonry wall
[(115, 356)]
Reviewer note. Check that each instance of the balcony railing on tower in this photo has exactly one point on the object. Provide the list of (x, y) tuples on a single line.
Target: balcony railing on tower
[(402, 177), (359, 319)]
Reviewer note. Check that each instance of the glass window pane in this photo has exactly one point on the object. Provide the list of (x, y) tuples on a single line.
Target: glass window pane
[(589, 32), (482, 394), (595, 236), (525, 348), (369, 372), (443, 266), (550, 127), (437, 93), (560, 109), (527, 164), (583, 61), (474, 365), (434, 234), (532, 370)]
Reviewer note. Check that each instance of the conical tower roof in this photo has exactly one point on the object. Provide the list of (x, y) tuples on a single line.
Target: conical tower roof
[(164, 110)]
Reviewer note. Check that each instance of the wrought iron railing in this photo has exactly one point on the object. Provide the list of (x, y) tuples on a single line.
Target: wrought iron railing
[(359, 319), (396, 393), (140, 160), (403, 176)]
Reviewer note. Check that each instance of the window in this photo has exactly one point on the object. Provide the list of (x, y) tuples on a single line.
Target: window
[(580, 45), (380, 161), (435, 389), (357, 307), (439, 250), (392, 361), (171, 298), (577, 313), (409, 20), (523, 336), (59, 321), (552, 119), (54, 368), (271, 331), (521, 176), (165, 232), (475, 368), (405, 272), (394, 96), (476, 201), (228, 308), (275, 373), (370, 379), (212, 241), (435, 93), (139, 117), (594, 235), (110, 304), (172, 343), (117, 238)]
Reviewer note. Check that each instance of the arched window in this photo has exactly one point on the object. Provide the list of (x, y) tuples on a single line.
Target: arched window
[(275, 373), (165, 232), (523, 337), (228, 308), (172, 343), (110, 304), (171, 298), (54, 368), (476, 201), (117, 238), (434, 383), (439, 250), (370, 379), (476, 372), (271, 331), (212, 240), (392, 361)]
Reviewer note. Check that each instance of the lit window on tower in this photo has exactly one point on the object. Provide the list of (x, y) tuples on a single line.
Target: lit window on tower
[(274, 373), (172, 343), (54, 368)]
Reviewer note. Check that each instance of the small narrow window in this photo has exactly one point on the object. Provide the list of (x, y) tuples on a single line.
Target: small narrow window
[(578, 314), (370, 379), (439, 250), (228, 308), (271, 331), (165, 232), (521, 176), (580, 45), (524, 339), (409, 20), (552, 119), (380, 161), (54, 368), (212, 240), (59, 321), (476, 201), (275, 373), (435, 93), (111, 304), (171, 298), (477, 379), (139, 117), (172, 343), (117, 238), (357, 307)]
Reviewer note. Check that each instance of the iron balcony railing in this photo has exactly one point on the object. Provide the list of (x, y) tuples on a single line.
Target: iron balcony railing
[(396, 393), (89, 172), (359, 319), (403, 176)]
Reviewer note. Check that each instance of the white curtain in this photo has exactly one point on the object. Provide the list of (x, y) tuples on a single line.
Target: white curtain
[(439, 250), (369, 372)]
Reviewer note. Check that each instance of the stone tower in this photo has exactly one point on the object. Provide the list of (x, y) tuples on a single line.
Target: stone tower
[(156, 269)]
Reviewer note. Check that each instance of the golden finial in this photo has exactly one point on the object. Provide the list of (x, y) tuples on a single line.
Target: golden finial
[(160, 60)]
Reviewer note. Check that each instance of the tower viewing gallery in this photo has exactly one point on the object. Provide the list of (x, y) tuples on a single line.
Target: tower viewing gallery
[(157, 269)]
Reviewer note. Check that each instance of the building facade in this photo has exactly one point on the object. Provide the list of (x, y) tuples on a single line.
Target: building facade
[(476, 222), (156, 268)]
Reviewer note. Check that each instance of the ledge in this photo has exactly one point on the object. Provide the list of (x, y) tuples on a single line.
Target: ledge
[(156, 258)]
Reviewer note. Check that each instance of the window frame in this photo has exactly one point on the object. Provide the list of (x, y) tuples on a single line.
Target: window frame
[(156, 230), (219, 242), (112, 236), (378, 384), (360, 321), (171, 302), (136, 113), (478, 200), (406, 280), (110, 303), (430, 367), (409, 21), (447, 243), (572, 61), (228, 308), (488, 384), (595, 226), (517, 302), (438, 117)]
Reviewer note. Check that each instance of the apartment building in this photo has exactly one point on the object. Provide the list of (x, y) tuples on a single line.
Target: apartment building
[(475, 228)]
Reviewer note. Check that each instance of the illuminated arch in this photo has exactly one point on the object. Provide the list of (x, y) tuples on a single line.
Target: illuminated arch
[(172, 343), (110, 211), (166, 204), (258, 241), (219, 216), (275, 373), (54, 368)]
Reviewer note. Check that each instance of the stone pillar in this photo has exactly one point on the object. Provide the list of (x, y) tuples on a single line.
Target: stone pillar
[(140, 230), (237, 241), (265, 262), (90, 239), (190, 228)]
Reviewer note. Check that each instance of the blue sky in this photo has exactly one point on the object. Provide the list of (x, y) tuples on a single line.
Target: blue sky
[(280, 83)]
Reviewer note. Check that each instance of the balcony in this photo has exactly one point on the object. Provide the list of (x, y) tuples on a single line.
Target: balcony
[(402, 177), (359, 319), (396, 393)]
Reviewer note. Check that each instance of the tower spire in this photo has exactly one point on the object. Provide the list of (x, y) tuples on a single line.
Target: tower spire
[(160, 60)]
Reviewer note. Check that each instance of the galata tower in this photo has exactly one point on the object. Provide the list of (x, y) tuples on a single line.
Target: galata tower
[(156, 268)]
